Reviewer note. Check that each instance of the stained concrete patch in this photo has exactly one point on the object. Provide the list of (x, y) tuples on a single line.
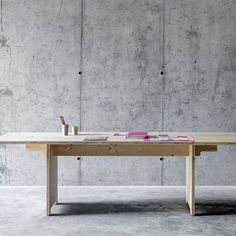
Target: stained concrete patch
[(6, 92), (192, 33), (3, 41), (5, 173)]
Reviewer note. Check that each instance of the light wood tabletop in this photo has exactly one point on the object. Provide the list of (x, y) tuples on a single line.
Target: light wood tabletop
[(200, 138)]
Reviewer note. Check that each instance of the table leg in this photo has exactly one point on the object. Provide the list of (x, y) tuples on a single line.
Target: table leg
[(187, 178), (52, 178), (191, 200)]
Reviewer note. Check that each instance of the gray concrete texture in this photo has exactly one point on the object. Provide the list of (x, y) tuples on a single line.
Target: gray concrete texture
[(121, 48), (152, 210)]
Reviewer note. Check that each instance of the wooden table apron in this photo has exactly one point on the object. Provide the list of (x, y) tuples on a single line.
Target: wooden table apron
[(52, 151)]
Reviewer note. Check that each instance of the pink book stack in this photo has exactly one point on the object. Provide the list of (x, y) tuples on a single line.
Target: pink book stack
[(160, 137)]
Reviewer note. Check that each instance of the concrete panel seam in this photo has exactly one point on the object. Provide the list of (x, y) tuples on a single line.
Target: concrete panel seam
[(163, 84), (81, 61), (1, 19), (80, 80)]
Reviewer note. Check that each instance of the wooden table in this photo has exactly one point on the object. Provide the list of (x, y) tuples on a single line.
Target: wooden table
[(53, 145)]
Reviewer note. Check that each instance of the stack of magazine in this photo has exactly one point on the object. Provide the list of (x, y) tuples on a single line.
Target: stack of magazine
[(146, 137)]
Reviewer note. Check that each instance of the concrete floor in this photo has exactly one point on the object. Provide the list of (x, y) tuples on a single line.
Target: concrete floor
[(118, 211)]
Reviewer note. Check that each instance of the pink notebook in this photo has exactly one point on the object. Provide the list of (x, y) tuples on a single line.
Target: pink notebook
[(163, 137), (137, 134)]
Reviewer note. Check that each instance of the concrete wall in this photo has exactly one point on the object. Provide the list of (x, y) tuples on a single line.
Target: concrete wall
[(39, 65), (121, 47)]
